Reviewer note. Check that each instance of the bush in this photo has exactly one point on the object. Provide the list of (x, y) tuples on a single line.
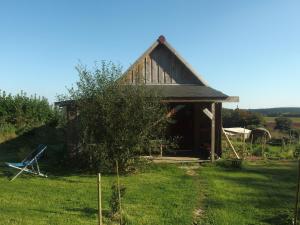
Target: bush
[(117, 122), (283, 123), (114, 201), (20, 113), (297, 151)]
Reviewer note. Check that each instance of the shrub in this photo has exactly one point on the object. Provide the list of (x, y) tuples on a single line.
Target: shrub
[(283, 123), (114, 202), (23, 113), (117, 122), (297, 151)]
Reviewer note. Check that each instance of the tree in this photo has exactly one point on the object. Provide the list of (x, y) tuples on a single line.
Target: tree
[(117, 121), (241, 118), (283, 123)]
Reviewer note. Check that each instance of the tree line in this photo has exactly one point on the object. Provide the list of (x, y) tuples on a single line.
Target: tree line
[(20, 113)]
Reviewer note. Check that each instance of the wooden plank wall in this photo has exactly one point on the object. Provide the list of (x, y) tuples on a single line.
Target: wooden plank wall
[(161, 66)]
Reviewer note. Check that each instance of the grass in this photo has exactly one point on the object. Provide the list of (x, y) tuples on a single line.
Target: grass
[(162, 194), (152, 197), (261, 193)]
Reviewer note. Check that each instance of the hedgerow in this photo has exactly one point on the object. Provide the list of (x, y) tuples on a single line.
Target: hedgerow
[(20, 113)]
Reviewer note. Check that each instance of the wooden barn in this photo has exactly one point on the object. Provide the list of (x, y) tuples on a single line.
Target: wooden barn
[(199, 121)]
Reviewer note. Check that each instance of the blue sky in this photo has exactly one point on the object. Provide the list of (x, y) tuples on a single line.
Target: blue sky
[(245, 48)]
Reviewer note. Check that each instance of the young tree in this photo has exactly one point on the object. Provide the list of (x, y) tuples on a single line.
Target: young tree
[(116, 121)]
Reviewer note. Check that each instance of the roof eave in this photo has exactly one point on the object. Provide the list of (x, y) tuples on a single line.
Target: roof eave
[(228, 99)]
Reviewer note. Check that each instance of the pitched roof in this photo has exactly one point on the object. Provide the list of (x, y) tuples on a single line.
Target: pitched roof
[(153, 53)]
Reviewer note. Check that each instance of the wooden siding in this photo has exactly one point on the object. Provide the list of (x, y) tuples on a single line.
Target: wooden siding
[(160, 66)]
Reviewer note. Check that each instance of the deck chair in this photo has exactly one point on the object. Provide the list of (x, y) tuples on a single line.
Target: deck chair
[(27, 165)]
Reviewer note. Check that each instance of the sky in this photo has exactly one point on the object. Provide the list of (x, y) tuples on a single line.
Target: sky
[(249, 49)]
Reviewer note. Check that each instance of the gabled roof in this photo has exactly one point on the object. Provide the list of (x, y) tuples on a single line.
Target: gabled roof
[(162, 68), (161, 41)]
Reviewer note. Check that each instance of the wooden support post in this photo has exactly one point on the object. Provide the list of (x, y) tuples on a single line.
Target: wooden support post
[(213, 132), (99, 200), (230, 144), (296, 216)]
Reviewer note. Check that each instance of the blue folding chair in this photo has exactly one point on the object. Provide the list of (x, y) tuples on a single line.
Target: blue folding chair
[(27, 165)]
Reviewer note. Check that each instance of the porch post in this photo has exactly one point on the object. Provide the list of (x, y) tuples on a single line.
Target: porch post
[(213, 132)]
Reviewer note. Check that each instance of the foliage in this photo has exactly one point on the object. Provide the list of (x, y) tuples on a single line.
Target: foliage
[(281, 150), (297, 151), (117, 121), (283, 123), (288, 111), (114, 202), (242, 118), (295, 134), (20, 113)]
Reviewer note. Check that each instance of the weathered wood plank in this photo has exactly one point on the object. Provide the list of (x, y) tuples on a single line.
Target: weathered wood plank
[(154, 71), (168, 68), (148, 69)]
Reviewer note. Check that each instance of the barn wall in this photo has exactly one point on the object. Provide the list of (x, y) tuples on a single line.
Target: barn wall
[(161, 66)]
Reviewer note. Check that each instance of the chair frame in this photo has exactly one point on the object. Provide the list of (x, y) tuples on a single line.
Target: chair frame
[(33, 170)]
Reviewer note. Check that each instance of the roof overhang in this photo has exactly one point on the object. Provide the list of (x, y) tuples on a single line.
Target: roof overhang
[(228, 99)]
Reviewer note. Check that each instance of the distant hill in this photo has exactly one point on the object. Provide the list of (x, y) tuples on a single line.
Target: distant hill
[(281, 111)]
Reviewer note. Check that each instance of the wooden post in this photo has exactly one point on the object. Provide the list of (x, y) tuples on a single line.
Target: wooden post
[(213, 132), (99, 200), (251, 144), (297, 195), (263, 146), (244, 144), (230, 144), (119, 191)]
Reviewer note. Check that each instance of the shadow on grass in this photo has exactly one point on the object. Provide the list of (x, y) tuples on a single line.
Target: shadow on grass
[(53, 161), (285, 218), (269, 187)]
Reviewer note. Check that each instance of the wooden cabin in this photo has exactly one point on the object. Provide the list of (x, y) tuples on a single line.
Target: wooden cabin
[(199, 122)]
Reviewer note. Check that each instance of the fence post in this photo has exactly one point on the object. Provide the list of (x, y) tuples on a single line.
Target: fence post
[(119, 191), (99, 200)]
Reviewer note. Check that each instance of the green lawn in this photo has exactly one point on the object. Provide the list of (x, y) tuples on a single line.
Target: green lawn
[(261, 193), (161, 195)]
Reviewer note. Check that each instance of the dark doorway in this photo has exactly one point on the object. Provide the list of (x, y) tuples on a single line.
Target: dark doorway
[(182, 127)]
